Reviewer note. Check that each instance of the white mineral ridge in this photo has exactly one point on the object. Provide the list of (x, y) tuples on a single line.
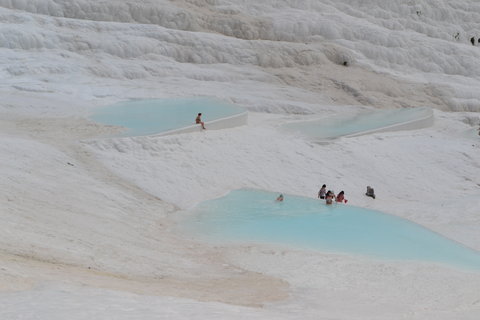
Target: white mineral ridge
[(88, 221)]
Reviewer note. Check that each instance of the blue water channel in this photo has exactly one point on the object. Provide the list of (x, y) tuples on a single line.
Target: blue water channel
[(245, 216), (146, 117), (348, 124)]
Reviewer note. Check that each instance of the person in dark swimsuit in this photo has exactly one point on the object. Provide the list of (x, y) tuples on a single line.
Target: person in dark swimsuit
[(198, 120), (322, 192)]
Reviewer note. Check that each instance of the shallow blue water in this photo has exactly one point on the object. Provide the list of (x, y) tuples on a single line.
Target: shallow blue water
[(255, 216), (145, 117), (337, 126)]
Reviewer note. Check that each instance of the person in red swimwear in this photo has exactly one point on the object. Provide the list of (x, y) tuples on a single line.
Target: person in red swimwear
[(341, 197)]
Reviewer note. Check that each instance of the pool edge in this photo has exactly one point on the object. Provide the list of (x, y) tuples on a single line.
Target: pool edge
[(218, 124)]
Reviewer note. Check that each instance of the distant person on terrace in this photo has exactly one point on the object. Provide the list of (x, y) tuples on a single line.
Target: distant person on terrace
[(198, 120)]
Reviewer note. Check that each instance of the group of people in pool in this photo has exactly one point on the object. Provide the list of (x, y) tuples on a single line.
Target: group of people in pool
[(329, 195)]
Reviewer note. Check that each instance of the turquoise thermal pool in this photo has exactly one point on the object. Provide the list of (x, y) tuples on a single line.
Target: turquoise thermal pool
[(146, 117), (252, 216), (351, 124)]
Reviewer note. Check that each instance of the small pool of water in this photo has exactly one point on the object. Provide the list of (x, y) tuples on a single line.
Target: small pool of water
[(473, 133), (246, 215), (349, 124), (146, 117)]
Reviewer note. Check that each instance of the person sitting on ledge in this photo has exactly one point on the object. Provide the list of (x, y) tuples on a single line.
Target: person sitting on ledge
[(198, 120)]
